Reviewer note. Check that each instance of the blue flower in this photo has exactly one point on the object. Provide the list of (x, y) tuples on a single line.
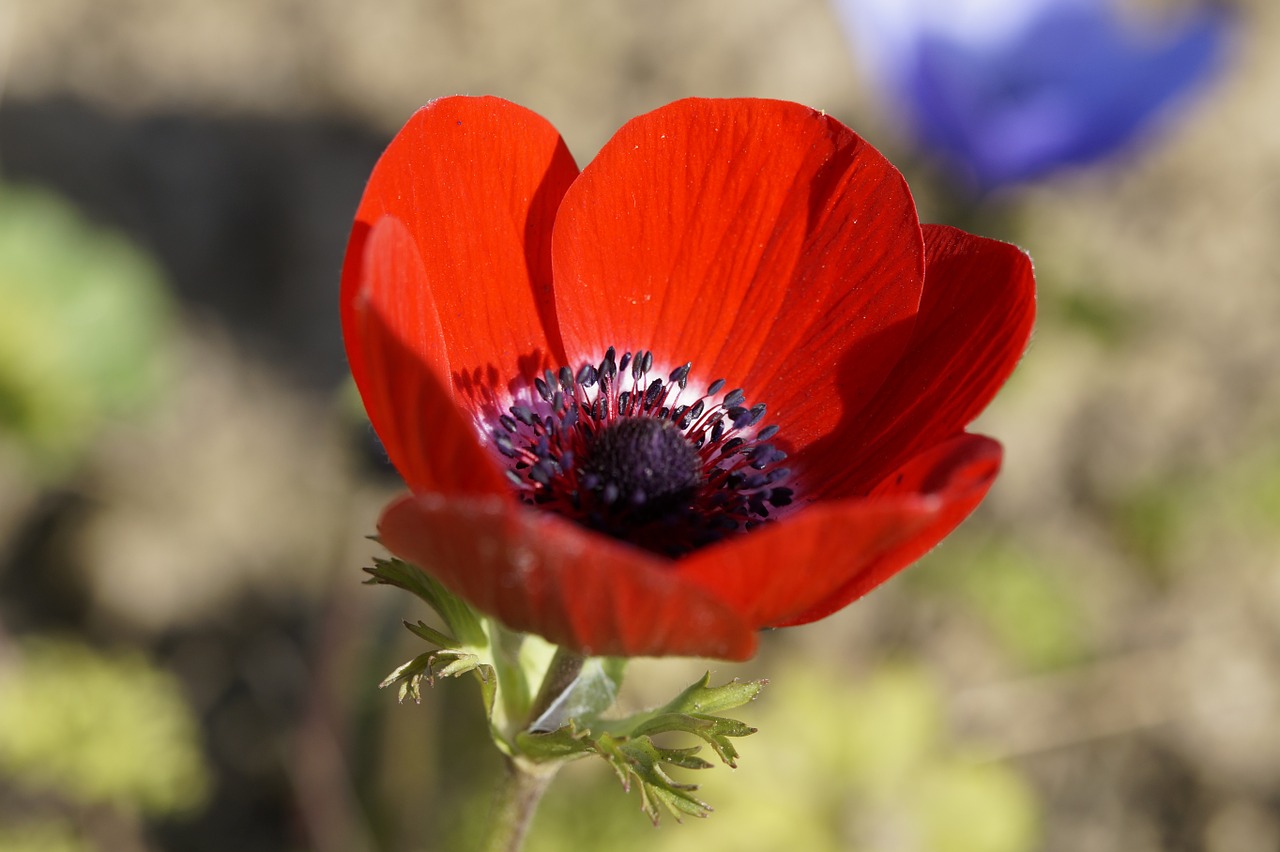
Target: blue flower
[(1005, 92)]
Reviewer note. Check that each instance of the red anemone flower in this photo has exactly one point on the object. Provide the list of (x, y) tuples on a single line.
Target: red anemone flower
[(716, 382)]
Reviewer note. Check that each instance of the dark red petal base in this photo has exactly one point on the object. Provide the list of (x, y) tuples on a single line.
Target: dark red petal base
[(542, 574)]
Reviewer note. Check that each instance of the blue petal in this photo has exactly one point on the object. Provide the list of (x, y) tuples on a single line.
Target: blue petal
[(1068, 87)]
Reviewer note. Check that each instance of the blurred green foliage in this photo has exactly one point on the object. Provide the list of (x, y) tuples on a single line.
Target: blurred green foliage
[(970, 805), (1149, 522), (40, 836), (98, 729), (1101, 317), (1020, 596), (1162, 521), (82, 332), (1261, 490)]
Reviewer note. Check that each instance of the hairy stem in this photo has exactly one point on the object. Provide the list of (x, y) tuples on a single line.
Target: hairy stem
[(516, 802), (526, 781)]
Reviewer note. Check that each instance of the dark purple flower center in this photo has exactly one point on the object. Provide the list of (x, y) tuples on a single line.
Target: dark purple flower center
[(629, 456), (644, 461)]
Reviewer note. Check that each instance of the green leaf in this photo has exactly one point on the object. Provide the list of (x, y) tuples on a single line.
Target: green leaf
[(418, 667), (715, 730), (691, 712), (462, 664), (640, 760), (685, 758), (627, 744), (456, 614), (567, 743), (503, 661), (446, 662), (430, 634), (702, 699)]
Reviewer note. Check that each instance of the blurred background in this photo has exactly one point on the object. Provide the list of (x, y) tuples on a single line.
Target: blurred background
[(187, 658)]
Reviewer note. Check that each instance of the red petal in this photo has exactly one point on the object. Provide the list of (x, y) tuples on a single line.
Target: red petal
[(815, 562), (757, 239), (542, 574), (477, 181), (398, 341), (974, 323)]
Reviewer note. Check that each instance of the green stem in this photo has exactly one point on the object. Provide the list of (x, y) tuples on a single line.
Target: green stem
[(516, 803), (526, 781)]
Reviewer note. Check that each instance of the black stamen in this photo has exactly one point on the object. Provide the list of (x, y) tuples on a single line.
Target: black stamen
[(739, 416), (731, 445), (623, 458), (523, 413), (651, 395)]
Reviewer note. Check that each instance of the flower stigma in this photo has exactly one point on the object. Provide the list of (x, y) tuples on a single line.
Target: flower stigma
[(622, 453)]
